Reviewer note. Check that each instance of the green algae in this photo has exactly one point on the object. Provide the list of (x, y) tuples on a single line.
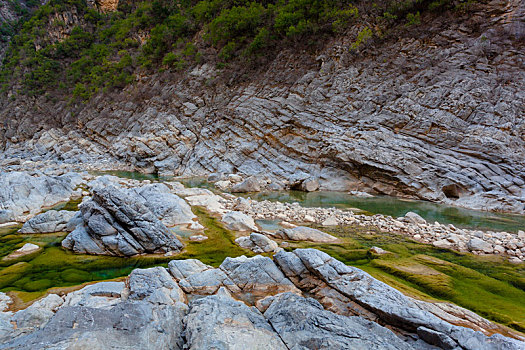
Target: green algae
[(219, 245), (489, 286), (53, 266)]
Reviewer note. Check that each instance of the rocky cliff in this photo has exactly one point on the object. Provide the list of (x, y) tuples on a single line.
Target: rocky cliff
[(436, 112), (10, 13)]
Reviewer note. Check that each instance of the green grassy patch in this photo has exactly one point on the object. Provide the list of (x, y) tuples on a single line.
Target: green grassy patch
[(219, 245), (489, 286)]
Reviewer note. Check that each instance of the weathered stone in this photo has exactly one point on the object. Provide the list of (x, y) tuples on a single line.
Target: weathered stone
[(28, 248), (386, 302), (169, 208), (50, 221), (301, 233), (138, 325), (208, 282), (38, 314), (222, 185), (211, 202), (145, 283), (258, 243), (22, 194), (258, 275), (414, 218), (238, 221), (219, 322), (303, 321), (5, 301), (184, 268), (98, 295), (116, 223), (477, 244), (251, 184)]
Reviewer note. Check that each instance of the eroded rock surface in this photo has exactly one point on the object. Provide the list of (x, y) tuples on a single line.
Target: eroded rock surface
[(258, 243), (302, 233), (116, 223), (23, 195), (257, 305), (50, 221), (434, 113)]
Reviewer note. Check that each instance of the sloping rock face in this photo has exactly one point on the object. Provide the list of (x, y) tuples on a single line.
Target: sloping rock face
[(436, 115), (23, 195), (156, 310), (116, 223), (169, 208)]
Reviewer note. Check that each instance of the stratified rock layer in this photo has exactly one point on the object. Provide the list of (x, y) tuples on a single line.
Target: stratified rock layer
[(436, 112), (117, 223), (255, 305), (23, 195)]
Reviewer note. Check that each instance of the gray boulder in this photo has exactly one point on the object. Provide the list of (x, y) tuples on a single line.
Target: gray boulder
[(414, 218), (220, 322), (309, 185), (302, 233), (22, 194), (258, 275), (128, 325), (304, 322), (50, 221), (238, 221), (184, 268), (477, 244), (115, 223), (151, 283), (258, 243), (168, 207), (251, 184)]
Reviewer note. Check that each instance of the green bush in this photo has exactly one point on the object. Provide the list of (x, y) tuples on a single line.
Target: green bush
[(413, 19), (106, 50)]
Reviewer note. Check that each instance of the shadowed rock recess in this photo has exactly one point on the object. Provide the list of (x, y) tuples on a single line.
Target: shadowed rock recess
[(302, 300), (437, 114)]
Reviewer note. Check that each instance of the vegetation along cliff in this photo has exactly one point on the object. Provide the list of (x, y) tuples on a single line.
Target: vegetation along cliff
[(415, 98)]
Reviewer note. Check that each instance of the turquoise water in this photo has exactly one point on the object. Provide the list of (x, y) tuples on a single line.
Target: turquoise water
[(396, 207)]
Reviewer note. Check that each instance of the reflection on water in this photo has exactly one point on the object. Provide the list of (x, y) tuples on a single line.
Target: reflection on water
[(396, 207), (56, 267), (269, 225), (134, 175)]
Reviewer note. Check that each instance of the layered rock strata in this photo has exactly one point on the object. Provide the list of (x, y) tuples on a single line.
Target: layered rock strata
[(116, 223), (251, 303)]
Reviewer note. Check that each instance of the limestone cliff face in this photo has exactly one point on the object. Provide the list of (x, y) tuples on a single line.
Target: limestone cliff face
[(436, 114)]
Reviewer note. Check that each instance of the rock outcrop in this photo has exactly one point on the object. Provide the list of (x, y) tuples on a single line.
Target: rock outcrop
[(258, 243), (257, 305), (238, 221), (50, 221), (434, 112), (116, 223), (169, 208), (302, 233), (23, 195)]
